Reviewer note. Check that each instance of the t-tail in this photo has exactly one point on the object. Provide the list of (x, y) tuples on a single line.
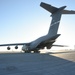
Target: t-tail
[(56, 16)]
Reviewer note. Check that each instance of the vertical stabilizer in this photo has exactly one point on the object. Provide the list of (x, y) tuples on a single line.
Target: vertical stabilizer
[(54, 24), (56, 16)]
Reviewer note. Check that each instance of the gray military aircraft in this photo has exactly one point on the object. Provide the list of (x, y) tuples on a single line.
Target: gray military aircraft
[(46, 40)]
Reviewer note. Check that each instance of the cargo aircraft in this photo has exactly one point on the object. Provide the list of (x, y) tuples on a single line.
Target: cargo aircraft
[(48, 39)]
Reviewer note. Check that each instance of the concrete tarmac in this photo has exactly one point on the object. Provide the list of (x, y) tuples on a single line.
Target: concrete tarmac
[(58, 63)]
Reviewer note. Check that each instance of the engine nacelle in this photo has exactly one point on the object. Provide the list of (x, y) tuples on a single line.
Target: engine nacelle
[(16, 47), (8, 48), (25, 48)]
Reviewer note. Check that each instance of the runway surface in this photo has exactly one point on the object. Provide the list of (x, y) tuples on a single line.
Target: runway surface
[(58, 63)]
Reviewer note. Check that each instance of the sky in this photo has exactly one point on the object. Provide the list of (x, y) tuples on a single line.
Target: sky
[(23, 21)]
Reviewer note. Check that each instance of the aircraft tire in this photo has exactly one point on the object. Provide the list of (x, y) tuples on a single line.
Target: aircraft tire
[(27, 51), (36, 51)]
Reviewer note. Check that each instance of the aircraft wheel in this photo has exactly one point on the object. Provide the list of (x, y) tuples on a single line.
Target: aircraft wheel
[(27, 51), (36, 51)]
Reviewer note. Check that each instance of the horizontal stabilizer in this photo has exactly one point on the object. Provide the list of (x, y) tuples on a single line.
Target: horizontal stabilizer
[(48, 7), (68, 12), (53, 9)]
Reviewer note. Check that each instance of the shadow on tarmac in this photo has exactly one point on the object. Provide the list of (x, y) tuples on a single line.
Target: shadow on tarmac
[(35, 64), (60, 52)]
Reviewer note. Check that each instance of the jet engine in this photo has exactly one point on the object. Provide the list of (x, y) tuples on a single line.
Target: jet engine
[(16, 47), (8, 48)]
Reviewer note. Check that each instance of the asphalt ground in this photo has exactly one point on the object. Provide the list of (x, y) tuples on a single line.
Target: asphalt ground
[(51, 63)]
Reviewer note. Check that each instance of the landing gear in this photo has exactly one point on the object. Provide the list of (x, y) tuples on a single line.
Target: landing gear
[(36, 51), (27, 51)]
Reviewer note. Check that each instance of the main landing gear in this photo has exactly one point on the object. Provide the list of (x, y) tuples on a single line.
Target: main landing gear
[(35, 51), (27, 51)]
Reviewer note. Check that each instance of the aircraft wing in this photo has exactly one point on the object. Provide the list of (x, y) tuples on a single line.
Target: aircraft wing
[(49, 44), (14, 44), (60, 45)]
